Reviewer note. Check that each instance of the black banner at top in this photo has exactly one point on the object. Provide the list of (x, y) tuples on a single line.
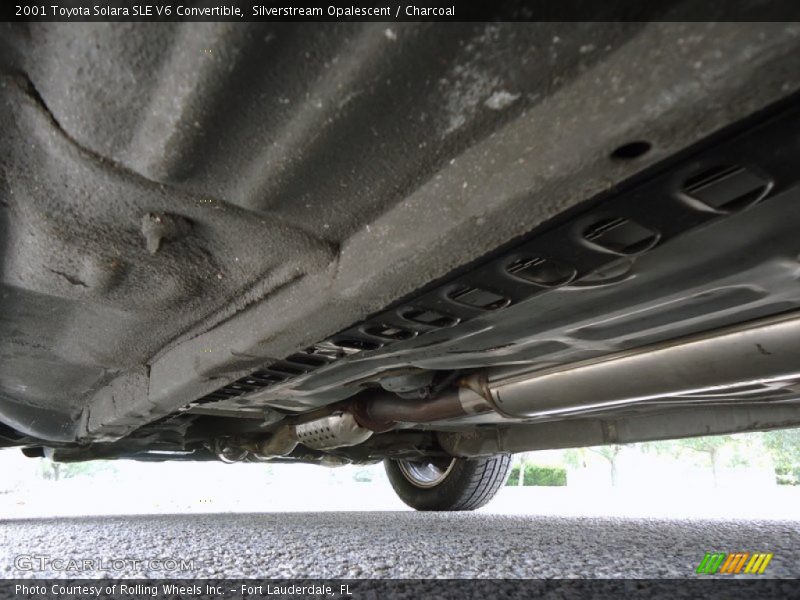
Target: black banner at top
[(400, 10)]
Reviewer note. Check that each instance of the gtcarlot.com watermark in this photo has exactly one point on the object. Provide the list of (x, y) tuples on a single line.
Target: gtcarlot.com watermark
[(44, 562)]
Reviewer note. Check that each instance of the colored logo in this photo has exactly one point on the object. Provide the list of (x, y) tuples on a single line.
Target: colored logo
[(738, 562)]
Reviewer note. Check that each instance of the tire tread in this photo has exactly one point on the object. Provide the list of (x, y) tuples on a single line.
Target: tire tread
[(470, 485)]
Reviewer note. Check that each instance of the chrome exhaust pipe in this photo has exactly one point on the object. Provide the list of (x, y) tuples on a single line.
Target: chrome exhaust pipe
[(719, 363), (760, 352), (756, 353)]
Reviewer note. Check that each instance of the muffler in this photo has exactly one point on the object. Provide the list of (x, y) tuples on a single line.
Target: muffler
[(760, 352)]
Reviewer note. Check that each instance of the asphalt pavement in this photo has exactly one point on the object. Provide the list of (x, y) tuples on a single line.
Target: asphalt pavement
[(384, 544)]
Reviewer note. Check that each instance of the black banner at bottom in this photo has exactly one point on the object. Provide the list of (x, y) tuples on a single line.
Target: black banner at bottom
[(369, 589)]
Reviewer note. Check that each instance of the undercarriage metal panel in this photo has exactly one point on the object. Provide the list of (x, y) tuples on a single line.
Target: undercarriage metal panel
[(184, 204), (738, 262)]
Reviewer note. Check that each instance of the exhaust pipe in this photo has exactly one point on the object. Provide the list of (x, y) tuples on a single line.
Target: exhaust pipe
[(758, 353), (354, 423), (382, 411), (761, 352)]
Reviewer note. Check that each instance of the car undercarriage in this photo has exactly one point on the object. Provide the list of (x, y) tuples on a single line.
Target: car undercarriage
[(415, 243)]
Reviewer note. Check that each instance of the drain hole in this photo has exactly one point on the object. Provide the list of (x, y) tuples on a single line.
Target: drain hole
[(631, 150), (541, 271), (430, 318), (390, 332), (621, 236), (479, 298), (727, 188)]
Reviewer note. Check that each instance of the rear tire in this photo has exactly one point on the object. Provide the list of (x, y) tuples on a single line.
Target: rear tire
[(448, 484)]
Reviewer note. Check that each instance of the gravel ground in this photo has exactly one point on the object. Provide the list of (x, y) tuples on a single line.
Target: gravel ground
[(397, 545)]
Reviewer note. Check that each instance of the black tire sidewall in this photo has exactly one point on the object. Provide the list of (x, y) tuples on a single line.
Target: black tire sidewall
[(450, 494)]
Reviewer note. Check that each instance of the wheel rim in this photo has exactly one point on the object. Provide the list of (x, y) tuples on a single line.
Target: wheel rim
[(426, 473)]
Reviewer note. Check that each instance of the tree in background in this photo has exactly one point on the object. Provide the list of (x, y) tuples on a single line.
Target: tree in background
[(778, 450), (56, 471), (50, 470), (523, 457), (531, 474), (611, 454), (711, 447), (363, 475), (737, 450), (576, 458), (783, 446)]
